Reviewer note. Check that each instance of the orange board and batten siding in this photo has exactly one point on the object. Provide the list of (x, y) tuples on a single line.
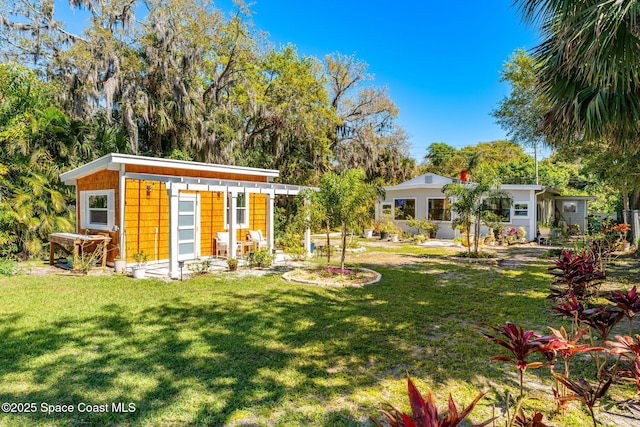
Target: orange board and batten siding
[(102, 180), (146, 218)]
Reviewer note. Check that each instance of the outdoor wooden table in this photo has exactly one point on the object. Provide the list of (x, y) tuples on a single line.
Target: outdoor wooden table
[(248, 246), (75, 242)]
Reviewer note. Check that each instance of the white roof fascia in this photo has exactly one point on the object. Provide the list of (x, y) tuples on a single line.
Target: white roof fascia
[(114, 160), (576, 197), (525, 187), (412, 187)]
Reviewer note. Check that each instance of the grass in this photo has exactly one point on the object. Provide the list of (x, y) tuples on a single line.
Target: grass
[(220, 350)]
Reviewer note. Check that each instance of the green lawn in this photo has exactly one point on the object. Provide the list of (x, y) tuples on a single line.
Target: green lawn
[(222, 350)]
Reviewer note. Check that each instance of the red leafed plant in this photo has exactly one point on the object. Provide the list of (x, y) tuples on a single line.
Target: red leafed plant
[(578, 273), (629, 348), (519, 342), (425, 412), (585, 392), (533, 420), (628, 302)]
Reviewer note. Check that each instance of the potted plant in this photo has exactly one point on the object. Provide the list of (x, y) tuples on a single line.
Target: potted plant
[(387, 228), (119, 264), (233, 264), (367, 232), (140, 267)]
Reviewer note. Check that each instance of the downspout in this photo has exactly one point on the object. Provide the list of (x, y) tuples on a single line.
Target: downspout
[(535, 200), (122, 197)]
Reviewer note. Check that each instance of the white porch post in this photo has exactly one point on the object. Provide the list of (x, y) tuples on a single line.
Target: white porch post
[(307, 235), (174, 192), (270, 220), (233, 219)]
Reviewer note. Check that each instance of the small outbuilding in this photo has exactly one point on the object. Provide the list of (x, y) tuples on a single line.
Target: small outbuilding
[(174, 210)]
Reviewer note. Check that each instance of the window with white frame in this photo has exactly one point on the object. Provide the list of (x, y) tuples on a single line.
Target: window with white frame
[(521, 210), (98, 209), (387, 209), (404, 208), (499, 207), (242, 211), (438, 209), (569, 207)]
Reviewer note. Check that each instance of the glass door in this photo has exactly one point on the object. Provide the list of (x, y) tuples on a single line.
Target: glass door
[(187, 227)]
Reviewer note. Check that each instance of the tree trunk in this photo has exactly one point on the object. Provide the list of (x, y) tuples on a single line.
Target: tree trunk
[(328, 246), (344, 246), (635, 199), (476, 237)]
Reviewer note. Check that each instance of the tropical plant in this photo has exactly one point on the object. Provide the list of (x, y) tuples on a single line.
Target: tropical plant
[(629, 348), (533, 420), (425, 413), (578, 274), (343, 200), (471, 205), (584, 392), (519, 342), (628, 302)]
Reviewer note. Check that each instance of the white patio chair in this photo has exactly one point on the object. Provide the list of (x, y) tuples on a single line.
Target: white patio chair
[(256, 237), (222, 244)]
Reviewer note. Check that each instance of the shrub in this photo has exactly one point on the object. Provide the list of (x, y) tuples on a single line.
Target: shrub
[(578, 274), (8, 267), (200, 267), (263, 258)]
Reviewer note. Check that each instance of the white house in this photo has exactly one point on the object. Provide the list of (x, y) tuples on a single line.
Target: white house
[(422, 198)]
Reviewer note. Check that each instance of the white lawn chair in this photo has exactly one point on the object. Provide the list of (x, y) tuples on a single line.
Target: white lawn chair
[(256, 237), (222, 244)]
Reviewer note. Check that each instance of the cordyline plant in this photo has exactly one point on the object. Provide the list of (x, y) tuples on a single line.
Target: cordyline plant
[(425, 413), (533, 420), (560, 343), (585, 392), (578, 274), (629, 348), (519, 342), (570, 307), (628, 302)]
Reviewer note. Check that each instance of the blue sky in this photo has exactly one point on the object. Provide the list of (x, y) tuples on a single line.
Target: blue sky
[(439, 60)]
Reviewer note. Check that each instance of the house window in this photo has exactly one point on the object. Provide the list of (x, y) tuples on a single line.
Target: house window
[(569, 207), (438, 210), (404, 208), (521, 209), (242, 211), (98, 211), (386, 209), (501, 208)]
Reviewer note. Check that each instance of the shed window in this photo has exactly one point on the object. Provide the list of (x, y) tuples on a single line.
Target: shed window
[(439, 210), (569, 207), (98, 209), (521, 209), (242, 211), (404, 208), (386, 209)]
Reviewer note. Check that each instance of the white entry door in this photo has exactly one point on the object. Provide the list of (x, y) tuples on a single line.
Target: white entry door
[(188, 227)]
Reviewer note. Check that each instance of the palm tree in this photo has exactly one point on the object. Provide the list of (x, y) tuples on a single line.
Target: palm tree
[(589, 68), (471, 205), (343, 200)]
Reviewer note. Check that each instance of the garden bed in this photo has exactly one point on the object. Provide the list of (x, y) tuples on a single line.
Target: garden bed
[(333, 277)]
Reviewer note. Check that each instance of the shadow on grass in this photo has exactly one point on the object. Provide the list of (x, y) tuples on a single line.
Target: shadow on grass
[(260, 356)]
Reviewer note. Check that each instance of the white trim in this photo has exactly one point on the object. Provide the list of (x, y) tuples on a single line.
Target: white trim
[(113, 161), (393, 207), (513, 210), (246, 222), (110, 210)]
